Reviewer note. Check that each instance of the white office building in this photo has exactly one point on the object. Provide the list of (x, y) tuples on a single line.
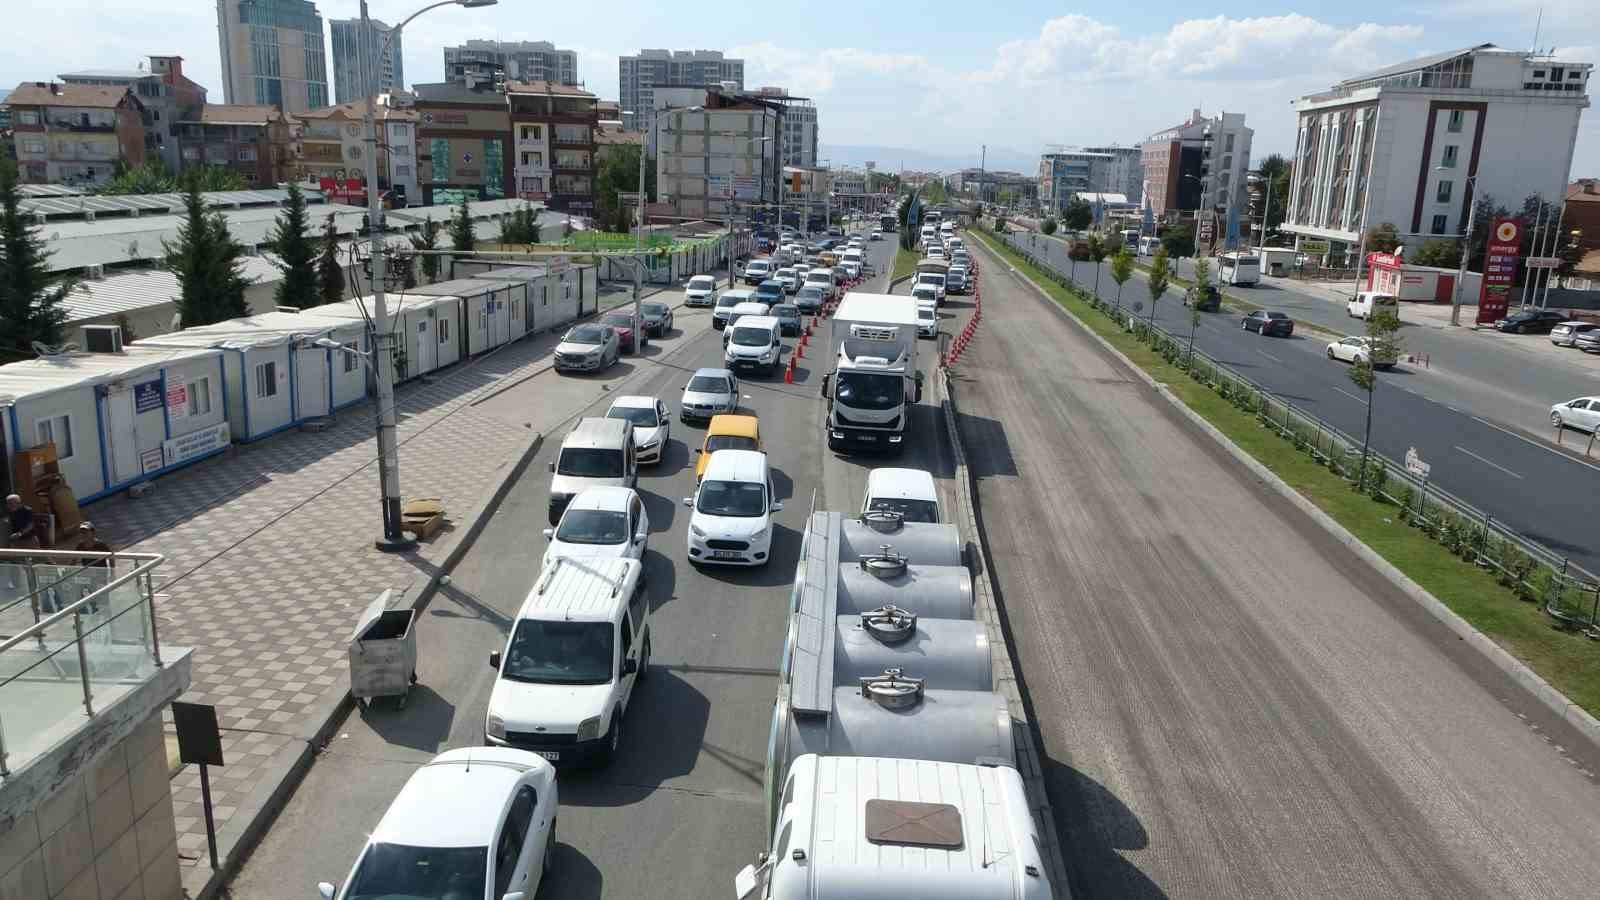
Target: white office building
[(1399, 145)]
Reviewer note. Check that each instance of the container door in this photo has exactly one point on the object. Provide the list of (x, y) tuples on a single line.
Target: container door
[(122, 440), (311, 382), (426, 348)]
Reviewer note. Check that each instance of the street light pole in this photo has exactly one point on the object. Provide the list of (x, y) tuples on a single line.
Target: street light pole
[(1466, 250), (393, 539)]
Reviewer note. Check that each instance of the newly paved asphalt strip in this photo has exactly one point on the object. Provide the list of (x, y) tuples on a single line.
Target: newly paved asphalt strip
[(1230, 703), (1533, 489)]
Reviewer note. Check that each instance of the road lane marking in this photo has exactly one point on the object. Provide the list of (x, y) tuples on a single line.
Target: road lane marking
[(1269, 356), (1489, 462), (1351, 396), (1530, 441)]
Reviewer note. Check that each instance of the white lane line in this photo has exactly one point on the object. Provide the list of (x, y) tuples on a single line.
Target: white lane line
[(1269, 356), (1531, 442), (1359, 400), (1489, 462)]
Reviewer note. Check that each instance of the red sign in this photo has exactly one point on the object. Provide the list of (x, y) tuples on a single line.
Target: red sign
[(1387, 260), (1499, 269)]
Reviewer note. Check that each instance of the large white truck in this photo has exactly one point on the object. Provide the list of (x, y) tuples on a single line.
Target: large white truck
[(874, 383)]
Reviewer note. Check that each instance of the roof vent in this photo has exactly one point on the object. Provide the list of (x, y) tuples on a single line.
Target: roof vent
[(886, 564), (910, 824), (890, 624), (883, 521), (892, 690)]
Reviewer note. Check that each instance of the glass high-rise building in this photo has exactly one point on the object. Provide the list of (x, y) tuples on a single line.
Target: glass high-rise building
[(273, 53), (353, 50)]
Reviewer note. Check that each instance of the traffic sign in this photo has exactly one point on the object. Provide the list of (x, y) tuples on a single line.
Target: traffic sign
[(1415, 465), (1543, 262)]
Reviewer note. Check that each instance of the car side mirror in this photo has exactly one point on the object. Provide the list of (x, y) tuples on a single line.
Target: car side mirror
[(630, 667), (689, 502), (326, 889), (515, 895), (777, 506), (827, 383), (494, 659), (552, 465), (699, 450), (640, 537), (549, 533)]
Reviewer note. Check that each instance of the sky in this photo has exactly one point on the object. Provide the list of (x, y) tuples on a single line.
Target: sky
[(939, 76)]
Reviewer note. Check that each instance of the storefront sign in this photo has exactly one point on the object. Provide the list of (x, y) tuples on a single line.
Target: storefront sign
[(1313, 247), (177, 397), (1499, 269), (195, 444), (1388, 260), (147, 397)]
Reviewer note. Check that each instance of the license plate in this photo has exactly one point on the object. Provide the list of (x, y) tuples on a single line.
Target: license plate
[(552, 755), (867, 438), (725, 554)]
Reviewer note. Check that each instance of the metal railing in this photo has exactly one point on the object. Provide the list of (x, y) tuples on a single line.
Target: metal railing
[(74, 625), (1568, 593)]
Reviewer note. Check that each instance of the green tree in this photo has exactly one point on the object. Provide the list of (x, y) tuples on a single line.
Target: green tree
[(30, 297), (330, 275), (1097, 250), (1157, 280), (1444, 253), (1202, 276), (618, 174), (522, 227), (1178, 241), (1077, 216), (1121, 270), (297, 258), (428, 239), (462, 236), (1048, 226), (206, 259), (1383, 238), (1383, 349), (1274, 169), (154, 178)]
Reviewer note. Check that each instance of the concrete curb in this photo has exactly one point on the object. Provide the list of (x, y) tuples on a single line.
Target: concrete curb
[(284, 771), (1585, 724), (1005, 669)]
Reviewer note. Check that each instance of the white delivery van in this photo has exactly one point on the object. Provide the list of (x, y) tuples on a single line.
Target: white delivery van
[(723, 311), (597, 452), (822, 278), (1240, 269), (927, 315), (757, 271), (908, 493), (578, 645), (752, 342), (731, 523), (1364, 304)]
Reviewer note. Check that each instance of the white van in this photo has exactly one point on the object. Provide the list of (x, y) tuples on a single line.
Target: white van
[(925, 294), (577, 647), (821, 278), (1148, 245), (752, 342), (725, 304), (701, 290), (927, 316), (1364, 304), (1240, 269), (757, 271), (597, 452), (908, 493), (732, 520), (934, 280), (750, 307)]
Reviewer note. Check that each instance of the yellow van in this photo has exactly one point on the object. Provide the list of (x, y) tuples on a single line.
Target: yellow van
[(728, 432)]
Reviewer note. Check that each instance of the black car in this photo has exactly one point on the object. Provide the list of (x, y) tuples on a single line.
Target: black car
[(1204, 297), (1264, 322), (1530, 321), (657, 318)]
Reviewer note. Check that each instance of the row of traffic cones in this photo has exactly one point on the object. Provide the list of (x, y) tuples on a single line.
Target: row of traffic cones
[(959, 345)]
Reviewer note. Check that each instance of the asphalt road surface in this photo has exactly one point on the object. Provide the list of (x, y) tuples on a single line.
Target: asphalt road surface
[(1230, 703), (681, 810), (1528, 486)]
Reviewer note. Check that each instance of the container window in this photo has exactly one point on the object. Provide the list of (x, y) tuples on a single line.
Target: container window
[(56, 430), (444, 330), (348, 356), (200, 397), (267, 379)]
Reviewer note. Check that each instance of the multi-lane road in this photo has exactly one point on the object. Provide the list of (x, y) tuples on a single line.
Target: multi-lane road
[(1527, 485)]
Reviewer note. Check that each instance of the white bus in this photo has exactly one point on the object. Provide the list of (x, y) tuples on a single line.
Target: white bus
[(1239, 268)]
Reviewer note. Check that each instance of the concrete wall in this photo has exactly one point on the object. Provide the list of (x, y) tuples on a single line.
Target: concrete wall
[(106, 833)]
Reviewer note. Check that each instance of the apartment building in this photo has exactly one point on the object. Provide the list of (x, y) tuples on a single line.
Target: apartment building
[(554, 129), (1415, 143), (273, 54), (354, 49), (712, 162), (1123, 173), (464, 142), (799, 126), (258, 142), (639, 75), (333, 148), (75, 134), (166, 94), (1198, 164), (510, 61)]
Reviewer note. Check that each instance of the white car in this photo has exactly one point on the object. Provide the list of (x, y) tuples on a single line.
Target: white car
[(927, 318), (909, 493), (1355, 350), (877, 235), (936, 252), (757, 271), (822, 278), (477, 822), (701, 290), (787, 277), (733, 507), (605, 522), (709, 391), (652, 425), (1582, 414)]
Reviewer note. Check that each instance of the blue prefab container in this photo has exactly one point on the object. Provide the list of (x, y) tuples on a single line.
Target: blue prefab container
[(117, 418)]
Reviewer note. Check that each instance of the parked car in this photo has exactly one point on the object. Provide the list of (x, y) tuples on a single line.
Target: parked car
[(701, 290), (788, 316), (657, 318), (607, 522), (652, 425), (809, 298), (1265, 322), (1531, 321), (1204, 297), (627, 329), (467, 820), (1357, 349), (1582, 414), (588, 348), (769, 292), (709, 392), (1566, 334), (731, 522), (1588, 341)]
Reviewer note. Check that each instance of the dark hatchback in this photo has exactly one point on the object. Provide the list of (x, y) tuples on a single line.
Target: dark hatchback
[(1265, 322), (1204, 297), (1530, 321)]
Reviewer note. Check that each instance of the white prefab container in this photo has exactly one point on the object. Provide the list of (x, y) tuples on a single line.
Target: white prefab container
[(277, 377), (117, 418), (486, 310), (426, 331), (555, 299)]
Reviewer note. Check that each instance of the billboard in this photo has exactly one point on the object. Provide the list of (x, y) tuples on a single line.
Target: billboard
[(1499, 269), (738, 187)]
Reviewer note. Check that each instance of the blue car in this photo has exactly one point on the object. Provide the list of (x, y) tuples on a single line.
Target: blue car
[(770, 292)]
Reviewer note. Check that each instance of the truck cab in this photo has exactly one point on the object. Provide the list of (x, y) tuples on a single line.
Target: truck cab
[(874, 381)]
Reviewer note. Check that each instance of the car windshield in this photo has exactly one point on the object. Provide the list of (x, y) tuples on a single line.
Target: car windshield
[(717, 442), (641, 416), (419, 873), (654, 309), (544, 652), (618, 321), (751, 337), (819, 277), (1277, 315), (811, 293), (926, 312), (593, 526), (590, 462), (729, 301), (869, 390), (586, 334), (743, 499), (786, 311), (708, 384), (701, 283)]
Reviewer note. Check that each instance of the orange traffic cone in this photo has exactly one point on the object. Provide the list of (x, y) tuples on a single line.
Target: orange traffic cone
[(788, 372)]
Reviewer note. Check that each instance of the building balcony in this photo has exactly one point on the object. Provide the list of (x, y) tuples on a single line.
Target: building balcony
[(90, 128)]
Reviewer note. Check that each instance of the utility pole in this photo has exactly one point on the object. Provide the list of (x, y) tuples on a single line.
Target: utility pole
[(1466, 251)]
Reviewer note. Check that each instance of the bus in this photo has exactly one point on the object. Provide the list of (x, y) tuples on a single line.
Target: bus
[(888, 224), (1243, 269)]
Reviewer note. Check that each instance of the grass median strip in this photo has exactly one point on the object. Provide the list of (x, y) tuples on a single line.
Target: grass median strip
[(905, 262), (1567, 660)]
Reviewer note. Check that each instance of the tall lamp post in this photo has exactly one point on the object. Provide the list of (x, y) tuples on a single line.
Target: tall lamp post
[(1466, 246), (393, 539)]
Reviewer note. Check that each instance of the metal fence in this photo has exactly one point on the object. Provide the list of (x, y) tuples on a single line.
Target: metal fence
[(1534, 572)]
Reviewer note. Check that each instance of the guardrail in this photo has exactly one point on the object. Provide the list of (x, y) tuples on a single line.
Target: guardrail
[(1567, 592), (72, 623)]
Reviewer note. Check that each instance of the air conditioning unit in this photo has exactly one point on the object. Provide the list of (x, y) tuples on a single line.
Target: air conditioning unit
[(95, 271), (102, 338)]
